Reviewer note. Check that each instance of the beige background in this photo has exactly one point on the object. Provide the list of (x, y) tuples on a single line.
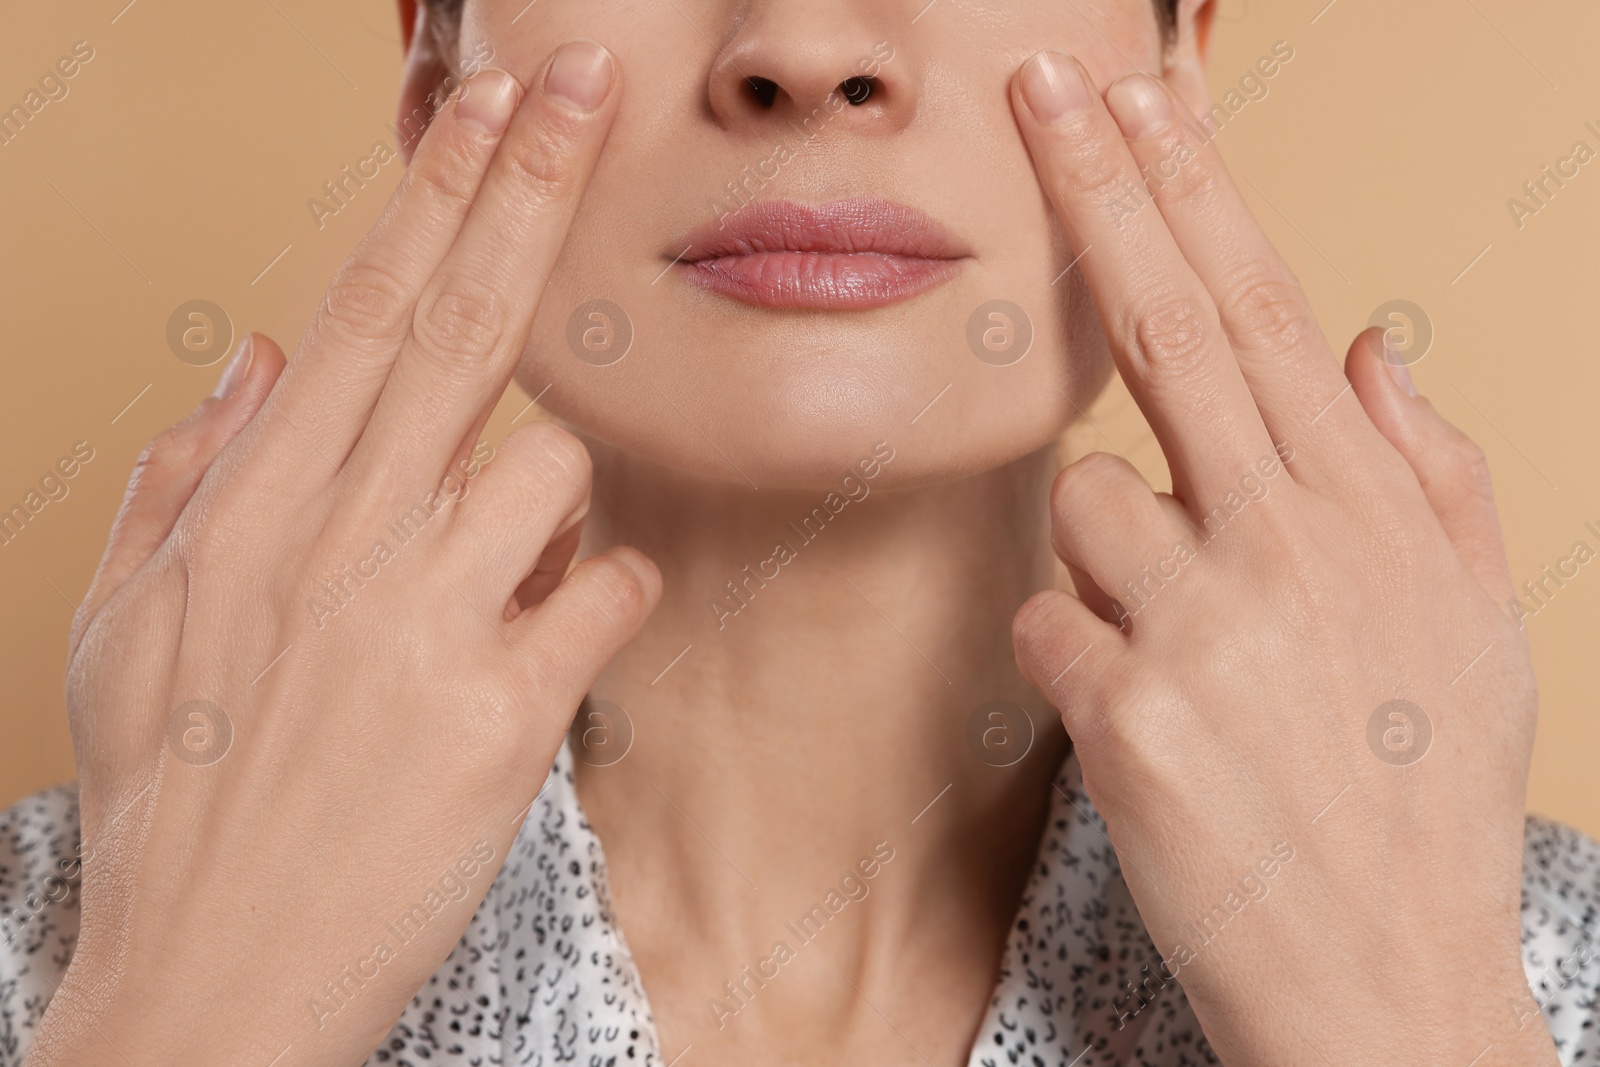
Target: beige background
[(179, 165)]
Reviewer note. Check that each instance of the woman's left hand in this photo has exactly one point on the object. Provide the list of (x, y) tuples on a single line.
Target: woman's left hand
[(1299, 699)]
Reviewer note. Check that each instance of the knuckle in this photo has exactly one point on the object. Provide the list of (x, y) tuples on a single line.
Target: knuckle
[(1137, 714), (1084, 481), (548, 469), (460, 321), (1102, 716), (543, 161), (1089, 170), (560, 452), (1182, 171), (444, 181), (172, 448), (1034, 632), (1270, 312), (1082, 490), (1469, 462), (222, 529), (623, 593), (1091, 723), (90, 617), (365, 304), (1168, 335), (175, 456), (1098, 720), (201, 527), (198, 543)]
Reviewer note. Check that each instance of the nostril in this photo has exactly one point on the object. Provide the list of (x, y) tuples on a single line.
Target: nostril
[(856, 90), (764, 90)]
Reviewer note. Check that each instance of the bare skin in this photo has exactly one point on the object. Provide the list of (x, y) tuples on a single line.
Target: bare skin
[(796, 770), (411, 730)]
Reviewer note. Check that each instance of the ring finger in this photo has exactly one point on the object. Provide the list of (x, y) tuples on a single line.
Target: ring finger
[(1108, 523)]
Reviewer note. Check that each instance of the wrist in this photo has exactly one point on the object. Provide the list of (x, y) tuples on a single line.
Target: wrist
[(98, 1017), (1473, 1018)]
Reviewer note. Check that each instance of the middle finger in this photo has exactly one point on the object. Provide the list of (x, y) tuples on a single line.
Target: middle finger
[(1282, 353)]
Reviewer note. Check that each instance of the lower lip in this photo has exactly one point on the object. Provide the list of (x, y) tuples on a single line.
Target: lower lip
[(829, 281)]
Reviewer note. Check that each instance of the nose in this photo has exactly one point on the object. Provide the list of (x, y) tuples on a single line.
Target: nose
[(813, 65)]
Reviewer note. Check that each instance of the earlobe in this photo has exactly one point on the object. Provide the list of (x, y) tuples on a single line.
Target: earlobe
[(425, 71), (1185, 61)]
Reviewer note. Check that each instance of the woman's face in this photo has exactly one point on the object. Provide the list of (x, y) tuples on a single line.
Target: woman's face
[(802, 276)]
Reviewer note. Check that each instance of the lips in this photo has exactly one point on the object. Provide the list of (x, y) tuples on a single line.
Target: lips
[(847, 255)]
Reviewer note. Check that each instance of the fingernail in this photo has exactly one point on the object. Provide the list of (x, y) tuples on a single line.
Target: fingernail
[(488, 100), (238, 368), (1052, 87), (1140, 106), (580, 75), (1402, 377)]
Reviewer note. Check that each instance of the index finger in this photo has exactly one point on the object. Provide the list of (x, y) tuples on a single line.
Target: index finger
[(1163, 326)]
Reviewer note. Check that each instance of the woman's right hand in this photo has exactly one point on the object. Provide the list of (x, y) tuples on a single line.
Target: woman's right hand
[(316, 682)]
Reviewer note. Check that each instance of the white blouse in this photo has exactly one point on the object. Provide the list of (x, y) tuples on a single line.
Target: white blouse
[(542, 975)]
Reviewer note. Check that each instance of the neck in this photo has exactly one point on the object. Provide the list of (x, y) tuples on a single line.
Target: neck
[(801, 702)]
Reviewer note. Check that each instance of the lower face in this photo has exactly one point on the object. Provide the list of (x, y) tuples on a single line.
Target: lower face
[(765, 278)]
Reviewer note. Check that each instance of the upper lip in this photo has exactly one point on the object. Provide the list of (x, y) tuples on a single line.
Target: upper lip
[(861, 225)]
